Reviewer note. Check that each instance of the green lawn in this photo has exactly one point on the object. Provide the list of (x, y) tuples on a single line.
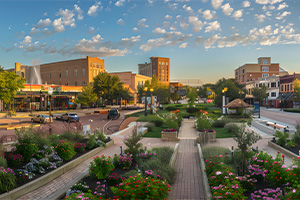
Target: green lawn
[(223, 133), (155, 133)]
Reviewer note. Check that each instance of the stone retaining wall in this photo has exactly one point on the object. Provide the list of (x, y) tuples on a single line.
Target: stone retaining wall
[(169, 136)]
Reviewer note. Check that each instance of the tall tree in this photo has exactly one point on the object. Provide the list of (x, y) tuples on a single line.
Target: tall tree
[(297, 90), (10, 83), (175, 97), (202, 92), (260, 93), (87, 96), (192, 95)]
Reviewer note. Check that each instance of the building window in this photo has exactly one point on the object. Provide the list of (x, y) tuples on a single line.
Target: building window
[(282, 88), (49, 75), (273, 84), (243, 70), (265, 61), (22, 75), (67, 73), (83, 72), (291, 87), (75, 73), (288, 87), (59, 74), (265, 75), (83, 83), (273, 94), (236, 73), (285, 88), (75, 83), (265, 68)]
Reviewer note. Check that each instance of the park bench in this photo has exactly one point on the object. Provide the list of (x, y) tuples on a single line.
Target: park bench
[(276, 126)]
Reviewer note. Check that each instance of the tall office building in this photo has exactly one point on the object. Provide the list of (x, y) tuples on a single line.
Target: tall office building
[(158, 66)]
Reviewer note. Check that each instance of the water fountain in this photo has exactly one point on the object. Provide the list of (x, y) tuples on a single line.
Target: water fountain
[(35, 74)]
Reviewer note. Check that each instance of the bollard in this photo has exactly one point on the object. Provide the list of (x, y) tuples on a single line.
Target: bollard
[(121, 150)]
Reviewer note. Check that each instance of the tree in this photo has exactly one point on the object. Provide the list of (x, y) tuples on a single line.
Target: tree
[(192, 95), (244, 140), (260, 93), (132, 142), (87, 96), (203, 92), (233, 92), (107, 86), (297, 90), (175, 97), (10, 83), (160, 90)]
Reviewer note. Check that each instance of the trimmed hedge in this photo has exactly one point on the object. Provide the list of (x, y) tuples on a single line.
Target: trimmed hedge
[(171, 108), (151, 118), (294, 110)]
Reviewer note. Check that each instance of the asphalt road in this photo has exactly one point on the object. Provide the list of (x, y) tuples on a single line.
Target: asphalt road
[(280, 116)]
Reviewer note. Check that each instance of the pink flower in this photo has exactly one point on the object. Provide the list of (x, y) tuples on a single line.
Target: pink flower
[(220, 156)]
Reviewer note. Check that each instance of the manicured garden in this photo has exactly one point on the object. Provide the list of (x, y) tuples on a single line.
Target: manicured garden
[(36, 153), (136, 173)]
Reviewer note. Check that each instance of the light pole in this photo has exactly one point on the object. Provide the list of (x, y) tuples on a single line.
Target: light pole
[(145, 89), (50, 91), (151, 90), (223, 101)]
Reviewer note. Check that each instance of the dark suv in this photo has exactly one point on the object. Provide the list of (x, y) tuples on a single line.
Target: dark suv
[(113, 114)]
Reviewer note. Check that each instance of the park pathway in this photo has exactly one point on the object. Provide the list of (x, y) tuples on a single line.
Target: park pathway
[(188, 183)]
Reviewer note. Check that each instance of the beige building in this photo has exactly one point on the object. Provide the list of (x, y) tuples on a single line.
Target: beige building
[(132, 80), (77, 72), (264, 68), (159, 66)]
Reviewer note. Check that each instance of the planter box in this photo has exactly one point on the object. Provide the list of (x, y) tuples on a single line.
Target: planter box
[(169, 136), (24, 189), (205, 137)]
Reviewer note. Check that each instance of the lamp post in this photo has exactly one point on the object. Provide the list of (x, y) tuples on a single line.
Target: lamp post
[(50, 92), (145, 89), (151, 90), (223, 101), (281, 104)]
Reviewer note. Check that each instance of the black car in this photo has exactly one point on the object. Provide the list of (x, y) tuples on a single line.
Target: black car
[(113, 113)]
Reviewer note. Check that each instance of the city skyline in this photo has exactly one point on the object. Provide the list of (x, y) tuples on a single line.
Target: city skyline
[(204, 39)]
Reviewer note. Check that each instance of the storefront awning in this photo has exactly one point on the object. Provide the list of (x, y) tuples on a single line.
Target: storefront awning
[(285, 96)]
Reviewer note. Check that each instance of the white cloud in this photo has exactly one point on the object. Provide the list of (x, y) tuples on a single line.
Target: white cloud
[(213, 26), (135, 29), (262, 1), (27, 40), (150, 2), (43, 23), (199, 40), (79, 12), (152, 43), (270, 41), (282, 6), (246, 4), (67, 17), (207, 14), (130, 42), (34, 31), (187, 8), (216, 4), (267, 30), (159, 30), (121, 22), (58, 26), (183, 45), (91, 30), (184, 25), (261, 18), (271, 7), (227, 10), (97, 38), (93, 9), (141, 23), (120, 3), (211, 41), (168, 17), (198, 24), (46, 32), (233, 41), (237, 14), (98, 52), (173, 27), (284, 14)]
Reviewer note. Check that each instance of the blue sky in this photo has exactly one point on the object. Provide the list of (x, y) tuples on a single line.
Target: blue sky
[(204, 39)]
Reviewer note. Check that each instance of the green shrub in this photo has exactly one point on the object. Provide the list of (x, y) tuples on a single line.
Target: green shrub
[(122, 161), (158, 189), (70, 136), (178, 105), (130, 173), (163, 153), (150, 126), (192, 110), (203, 123), (212, 151), (65, 150), (13, 160), (80, 195), (101, 167), (295, 110), (171, 124), (132, 143), (230, 127), (221, 123), (282, 138), (91, 143), (53, 139), (99, 135), (79, 147), (152, 118), (3, 162), (7, 180), (171, 108), (216, 112), (27, 150)]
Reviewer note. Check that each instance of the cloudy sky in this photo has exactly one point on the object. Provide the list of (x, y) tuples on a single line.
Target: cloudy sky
[(204, 39)]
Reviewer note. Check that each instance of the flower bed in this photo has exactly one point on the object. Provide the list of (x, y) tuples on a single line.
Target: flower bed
[(206, 135), (169, 135)]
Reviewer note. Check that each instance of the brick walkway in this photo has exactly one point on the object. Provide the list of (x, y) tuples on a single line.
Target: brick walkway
[(188, 183)]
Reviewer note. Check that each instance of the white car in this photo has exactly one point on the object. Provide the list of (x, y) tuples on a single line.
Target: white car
[(41, 118)]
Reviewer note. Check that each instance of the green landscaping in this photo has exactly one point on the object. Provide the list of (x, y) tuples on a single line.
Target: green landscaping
[(154, 133), (223, 133)]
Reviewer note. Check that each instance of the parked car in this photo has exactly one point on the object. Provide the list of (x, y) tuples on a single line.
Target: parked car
[(41, 118), (113, 114), (68, 117)]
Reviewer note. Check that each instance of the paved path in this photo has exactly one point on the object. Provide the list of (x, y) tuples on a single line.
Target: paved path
[(188, 183), (62, 183)]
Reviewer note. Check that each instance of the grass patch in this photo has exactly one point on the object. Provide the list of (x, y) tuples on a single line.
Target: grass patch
[(212, 151), (223, 133), (155, 133)]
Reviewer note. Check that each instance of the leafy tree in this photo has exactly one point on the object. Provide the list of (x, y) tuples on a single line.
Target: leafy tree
[(10, 83), (203, 92), (132, 142), (87, 96), (244, 139), (297, 90), (260, 93), (192, 95), (107, 86), (160, 90), (175, 96), (232, 92)]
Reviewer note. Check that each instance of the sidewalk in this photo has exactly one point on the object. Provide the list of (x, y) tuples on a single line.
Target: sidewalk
[(188, 183), (64, 182)]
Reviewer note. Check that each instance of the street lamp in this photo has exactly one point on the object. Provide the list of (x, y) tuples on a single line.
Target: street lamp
[(151, 90), (50, 92), (223, 102), (145, 89)]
